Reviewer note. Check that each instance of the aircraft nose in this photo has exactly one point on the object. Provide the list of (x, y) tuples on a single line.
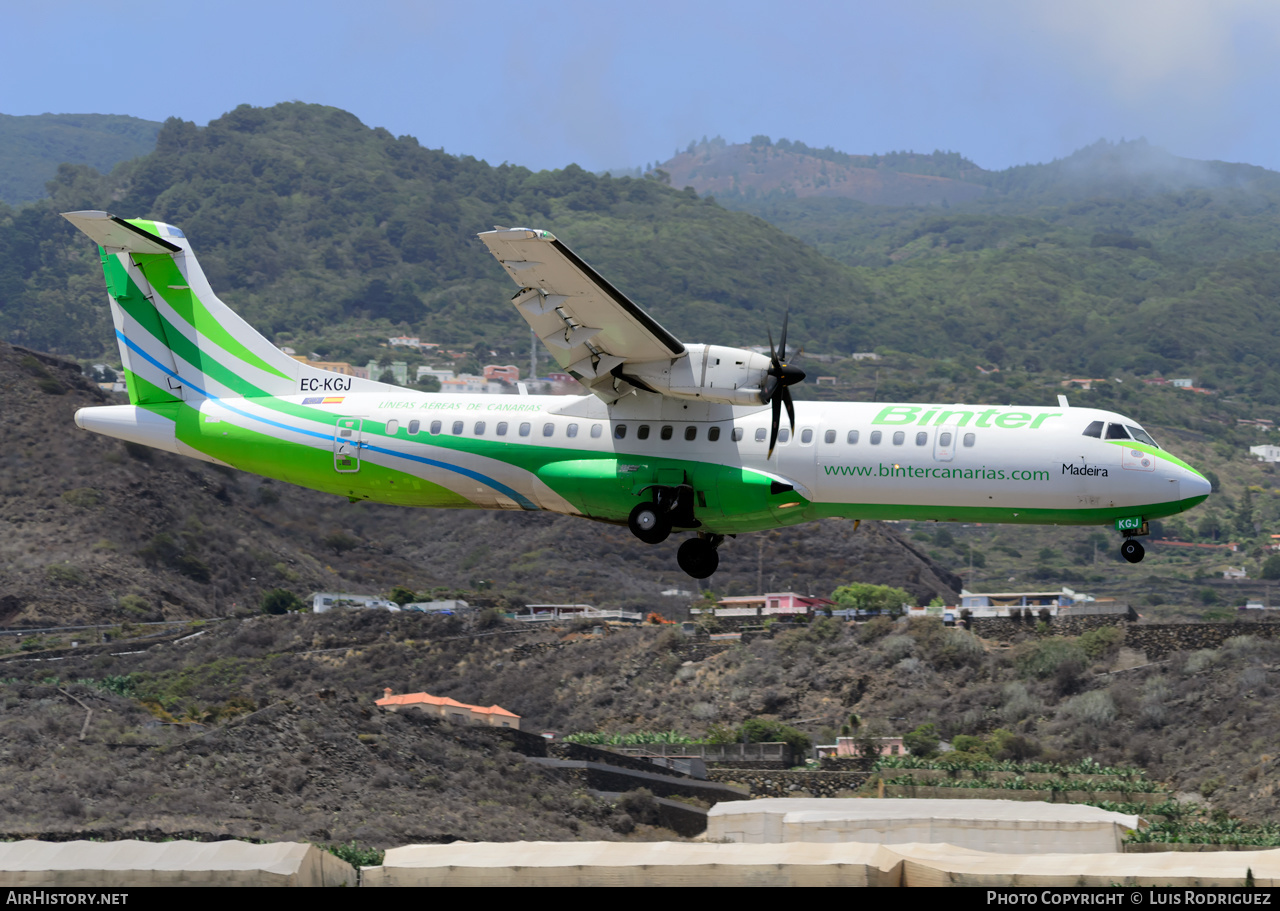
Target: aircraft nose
[(1193, 486)]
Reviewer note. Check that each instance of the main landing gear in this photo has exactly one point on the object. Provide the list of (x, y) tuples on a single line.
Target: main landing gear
[(698, 556), (649, 523), (672, 507)]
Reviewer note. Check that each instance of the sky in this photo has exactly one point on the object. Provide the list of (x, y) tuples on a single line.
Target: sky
[(611, 85)]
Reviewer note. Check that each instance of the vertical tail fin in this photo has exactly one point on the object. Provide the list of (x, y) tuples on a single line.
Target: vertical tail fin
[(178, 341)]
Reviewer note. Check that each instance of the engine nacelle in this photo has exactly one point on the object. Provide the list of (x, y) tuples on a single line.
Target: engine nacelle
[(706, 373)]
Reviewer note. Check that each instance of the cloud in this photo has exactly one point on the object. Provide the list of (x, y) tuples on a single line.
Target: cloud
[(1142, 49)]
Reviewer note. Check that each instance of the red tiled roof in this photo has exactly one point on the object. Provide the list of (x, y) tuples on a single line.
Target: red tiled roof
[(418, 698)]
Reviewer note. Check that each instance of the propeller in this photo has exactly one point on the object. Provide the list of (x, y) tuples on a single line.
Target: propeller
[(778, 377)]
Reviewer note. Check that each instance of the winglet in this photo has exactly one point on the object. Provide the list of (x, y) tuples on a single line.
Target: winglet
[(115, 234)]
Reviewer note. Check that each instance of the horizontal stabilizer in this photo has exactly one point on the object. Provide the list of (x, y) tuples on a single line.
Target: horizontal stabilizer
[(116, 234)]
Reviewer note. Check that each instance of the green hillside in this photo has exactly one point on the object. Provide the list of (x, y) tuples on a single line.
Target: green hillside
[(329, 235), (32, 147)]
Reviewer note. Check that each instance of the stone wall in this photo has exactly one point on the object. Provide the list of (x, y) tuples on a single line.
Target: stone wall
[(1156, 640), (1008, 627), (763, 783), (1159, 640)]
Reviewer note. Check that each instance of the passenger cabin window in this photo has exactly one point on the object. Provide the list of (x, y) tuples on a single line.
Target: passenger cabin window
[(852, 438), (642, 432), (899, 437), (393, 427), (691, 433), (736, 436), (784, 434), (1094, 430), (596, 430), (761, 434), (414, 427), (620, 432), (1117, 432), (713, 434), (525, 428), (829, 436), (478, 429), (875, 437), (969, 439), (501, 429), (922, 437), (571, 431), (435, 426), (457, 427), (548, 429), (944, 439), (666, 432), (806, 436)]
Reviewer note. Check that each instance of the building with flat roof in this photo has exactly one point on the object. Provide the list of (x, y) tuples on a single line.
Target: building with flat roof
[(770, 604)]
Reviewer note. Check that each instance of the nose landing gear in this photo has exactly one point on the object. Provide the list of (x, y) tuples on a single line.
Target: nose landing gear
[(1131, 550)]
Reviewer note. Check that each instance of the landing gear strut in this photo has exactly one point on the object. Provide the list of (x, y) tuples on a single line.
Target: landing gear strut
[(698, 556)]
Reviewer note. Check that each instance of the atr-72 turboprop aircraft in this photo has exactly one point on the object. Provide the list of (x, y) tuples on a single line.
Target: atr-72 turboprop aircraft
[(673, 437)]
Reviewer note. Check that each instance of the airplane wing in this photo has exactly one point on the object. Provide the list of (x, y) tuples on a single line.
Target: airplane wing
[(589, 326)]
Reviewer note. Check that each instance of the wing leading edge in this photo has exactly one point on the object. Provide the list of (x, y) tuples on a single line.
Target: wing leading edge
[(589, 326)]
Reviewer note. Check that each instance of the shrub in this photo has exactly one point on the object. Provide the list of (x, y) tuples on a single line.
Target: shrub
[(1102, 641), (1050, 657), (1090, 710), (357, 856)]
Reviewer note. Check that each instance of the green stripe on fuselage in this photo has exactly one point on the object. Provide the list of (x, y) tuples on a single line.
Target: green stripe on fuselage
[(306, 466), (1158, 453)]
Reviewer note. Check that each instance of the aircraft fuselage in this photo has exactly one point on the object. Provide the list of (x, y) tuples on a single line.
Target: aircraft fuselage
[(578, 456)]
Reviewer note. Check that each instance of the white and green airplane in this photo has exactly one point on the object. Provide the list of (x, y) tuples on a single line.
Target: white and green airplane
[(672, 437)]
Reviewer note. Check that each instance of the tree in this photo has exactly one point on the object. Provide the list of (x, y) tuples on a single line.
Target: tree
[(281, 601), (1271, 568), (1244, 514), (923, 741), (402, 596), (863, 596)]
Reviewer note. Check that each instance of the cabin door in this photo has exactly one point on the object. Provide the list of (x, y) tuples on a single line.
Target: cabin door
[(346, 445)]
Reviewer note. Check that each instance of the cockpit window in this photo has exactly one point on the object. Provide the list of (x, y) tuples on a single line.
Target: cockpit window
[(1116, 432), (1142, 436), (1094, 430)]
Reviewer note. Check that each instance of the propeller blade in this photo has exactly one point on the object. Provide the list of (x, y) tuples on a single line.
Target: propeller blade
[(773, 433), (791, 411), (783, 344)]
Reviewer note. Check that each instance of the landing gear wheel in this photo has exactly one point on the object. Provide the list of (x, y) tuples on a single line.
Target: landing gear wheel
[(648, 523), (1132, 551), (698, 557)]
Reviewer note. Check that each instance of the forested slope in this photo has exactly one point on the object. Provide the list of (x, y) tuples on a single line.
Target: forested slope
[(328, 235), (32, 147)]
